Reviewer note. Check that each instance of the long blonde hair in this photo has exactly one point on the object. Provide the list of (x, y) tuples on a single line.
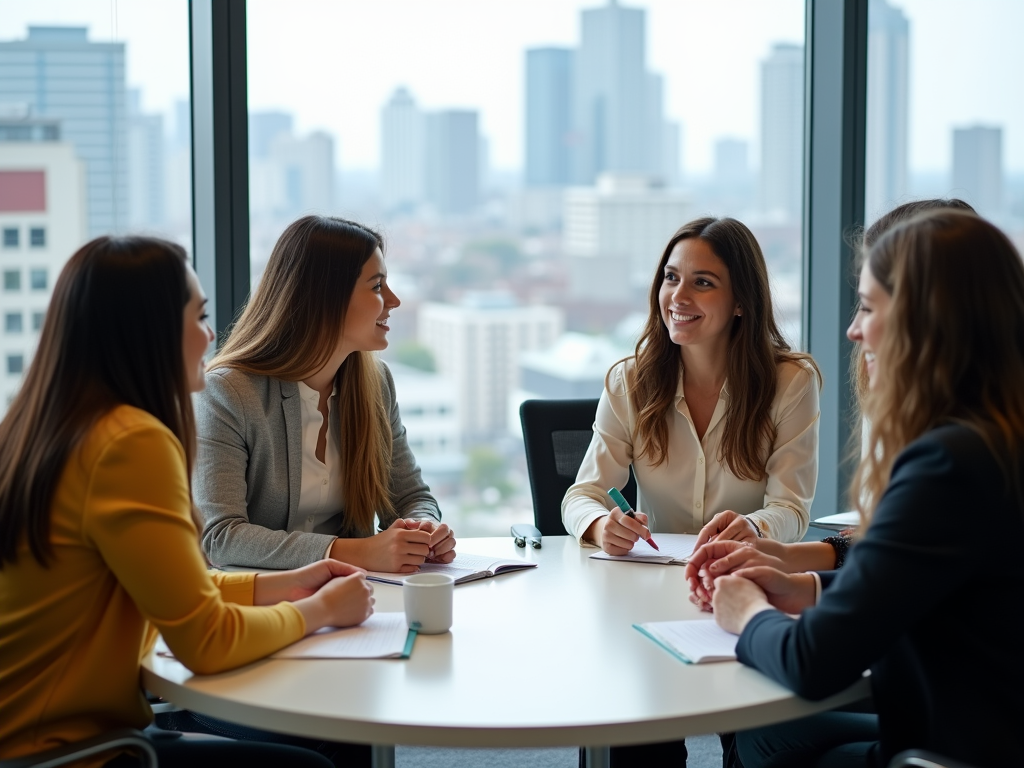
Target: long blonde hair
[(756, 349), (953, 345), (290, 328)]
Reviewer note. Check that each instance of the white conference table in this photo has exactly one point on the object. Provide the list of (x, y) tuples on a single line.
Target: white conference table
[(544, 657)]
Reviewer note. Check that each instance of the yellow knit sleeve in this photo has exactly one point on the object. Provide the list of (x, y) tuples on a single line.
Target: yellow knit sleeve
[(235, 587), (138, 515)]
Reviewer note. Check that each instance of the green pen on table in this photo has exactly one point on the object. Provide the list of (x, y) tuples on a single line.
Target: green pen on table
[(627, 510)]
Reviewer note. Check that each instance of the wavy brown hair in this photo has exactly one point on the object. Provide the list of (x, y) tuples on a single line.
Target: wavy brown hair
[(953, 345), (290, 328), (756, 349), (112, 336), (899, 214)]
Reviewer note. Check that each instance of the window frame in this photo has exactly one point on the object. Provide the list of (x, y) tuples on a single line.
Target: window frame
[(835, 51)]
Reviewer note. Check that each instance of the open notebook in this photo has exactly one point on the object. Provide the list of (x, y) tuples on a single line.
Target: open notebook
[(382, 636), (696, 641), (463, 568), (676, 549)]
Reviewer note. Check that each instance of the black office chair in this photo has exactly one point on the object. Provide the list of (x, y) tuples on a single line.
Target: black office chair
[(556, 434), (919, 758), (116, 739)]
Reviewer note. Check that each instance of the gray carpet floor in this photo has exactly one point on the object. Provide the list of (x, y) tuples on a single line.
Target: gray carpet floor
[(704, 752)]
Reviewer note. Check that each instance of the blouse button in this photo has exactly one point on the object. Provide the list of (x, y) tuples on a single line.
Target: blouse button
[(325, 481), (698, 505), (701, 459)]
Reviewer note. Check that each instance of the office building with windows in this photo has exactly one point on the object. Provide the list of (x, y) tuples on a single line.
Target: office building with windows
[(42, 222), (146, 167), (477, 344), (782, 132), (615, 231), (978, 167), (57, 72), (549, 78), (888, 107), (452, 170), (402, 159)]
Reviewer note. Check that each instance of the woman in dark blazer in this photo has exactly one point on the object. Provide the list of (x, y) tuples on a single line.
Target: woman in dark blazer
[(302, 452), (918, 602)]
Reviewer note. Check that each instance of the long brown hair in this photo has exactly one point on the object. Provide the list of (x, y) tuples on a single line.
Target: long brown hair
[(112, 336), (756, 349), (885, 222), (289, 330), (953, 345)]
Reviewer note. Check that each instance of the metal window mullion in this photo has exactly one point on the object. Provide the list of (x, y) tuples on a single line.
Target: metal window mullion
[(834, 159), (220, 148)]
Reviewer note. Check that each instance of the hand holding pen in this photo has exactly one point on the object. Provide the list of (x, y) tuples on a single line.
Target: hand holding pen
[(643, 532)]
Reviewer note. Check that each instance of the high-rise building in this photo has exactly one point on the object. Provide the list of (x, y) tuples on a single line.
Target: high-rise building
[(42, 222), (885, 170), (978, 167), (59, 73), (731, 164), (452, 150), (146, 166), (549, 77), (402, 161), (178, 169), (615, 231), (782, 132), (477, 344), (264, 128), (611, 92)]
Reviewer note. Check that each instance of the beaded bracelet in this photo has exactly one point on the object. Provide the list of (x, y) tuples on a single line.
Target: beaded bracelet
[(841, 544)]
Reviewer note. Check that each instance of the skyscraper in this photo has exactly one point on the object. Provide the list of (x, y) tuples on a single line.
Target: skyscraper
[(885, 172), (549, 76), (402, 161), (978, 167), (782, 131), (266, 126), (611, 92), (146, 165), (452, 161), (59, 73), (731, 165)]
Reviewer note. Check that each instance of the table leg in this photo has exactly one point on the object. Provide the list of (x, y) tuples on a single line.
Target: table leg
[(383, 756), (599, 757)]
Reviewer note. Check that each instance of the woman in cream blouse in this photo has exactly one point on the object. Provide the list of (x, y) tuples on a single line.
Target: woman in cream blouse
[(302, 450), (718, 418)]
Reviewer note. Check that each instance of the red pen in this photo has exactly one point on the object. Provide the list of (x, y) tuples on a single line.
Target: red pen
[(627, 510)]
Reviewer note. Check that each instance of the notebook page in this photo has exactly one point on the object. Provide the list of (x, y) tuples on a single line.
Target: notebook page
[(697, 640), (674, 546), (381, 636)]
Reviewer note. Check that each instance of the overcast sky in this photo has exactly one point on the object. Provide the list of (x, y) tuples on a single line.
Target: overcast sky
[(334, 63)]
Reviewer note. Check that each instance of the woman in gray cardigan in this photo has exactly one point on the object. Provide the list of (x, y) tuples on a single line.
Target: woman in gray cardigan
[(301, 446)]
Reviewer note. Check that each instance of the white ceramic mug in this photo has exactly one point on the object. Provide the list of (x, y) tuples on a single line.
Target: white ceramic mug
[(428, 602)]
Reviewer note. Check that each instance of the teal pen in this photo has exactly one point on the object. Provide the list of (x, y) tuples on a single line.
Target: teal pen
[(627, 510)]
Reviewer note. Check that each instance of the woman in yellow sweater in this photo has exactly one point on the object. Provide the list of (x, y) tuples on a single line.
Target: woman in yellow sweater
[(98, 548)]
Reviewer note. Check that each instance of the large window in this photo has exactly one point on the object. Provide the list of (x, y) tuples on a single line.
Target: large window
[(526, 162), (945, 107), (94, 131)]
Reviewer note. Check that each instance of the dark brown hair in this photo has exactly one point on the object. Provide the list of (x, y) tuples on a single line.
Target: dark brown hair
[(953, 344), (756, 349), (290, 328), (112, 336)]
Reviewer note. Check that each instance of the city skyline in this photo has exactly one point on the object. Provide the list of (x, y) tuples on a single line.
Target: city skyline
[(977, 81)]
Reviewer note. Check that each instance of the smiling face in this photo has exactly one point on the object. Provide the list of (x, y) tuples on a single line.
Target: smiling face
[(696, 298), (196, 334), (868, 324), (366, 327)]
